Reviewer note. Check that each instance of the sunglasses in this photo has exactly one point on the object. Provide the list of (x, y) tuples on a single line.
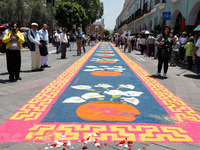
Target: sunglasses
[(15, 26)]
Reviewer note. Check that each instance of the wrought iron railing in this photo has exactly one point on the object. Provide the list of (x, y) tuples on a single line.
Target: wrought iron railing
[(159, 1)]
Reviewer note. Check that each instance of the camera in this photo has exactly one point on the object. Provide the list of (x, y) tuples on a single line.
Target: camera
[(14, 31), (166, 44)]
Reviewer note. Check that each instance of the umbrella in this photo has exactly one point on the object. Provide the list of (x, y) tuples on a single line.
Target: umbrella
[(144, 32), (122, 35), (197, 28), (3, 27), (24, 28)]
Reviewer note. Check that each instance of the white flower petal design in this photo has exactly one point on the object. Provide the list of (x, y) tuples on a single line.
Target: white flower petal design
[(104, 66), (74, 100), (116, 93), (92, 95), (95, 69), (81, 87), (103, 85), (128, 86), (134, 93), (132, 100), (91, 66)]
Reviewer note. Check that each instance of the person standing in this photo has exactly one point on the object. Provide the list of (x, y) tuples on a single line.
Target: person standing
[(64, 41), (44, 38), (125, 40), (57, 40), (142, 44), (34, 44), (150, 43), (13, 40), (175, 51), (72, 40), (196, 54), (83, 42), (79, 37), (189, 51), (183, 41), (164, 45)]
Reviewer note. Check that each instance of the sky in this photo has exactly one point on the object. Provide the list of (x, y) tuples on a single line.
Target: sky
[(112, 9)]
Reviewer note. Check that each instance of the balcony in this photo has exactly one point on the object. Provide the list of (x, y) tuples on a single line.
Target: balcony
[(138, 13), (160, 4), (145, 8)]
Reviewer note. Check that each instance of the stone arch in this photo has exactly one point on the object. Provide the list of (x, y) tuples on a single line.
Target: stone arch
[(192, 17), (173, 18), (149, 25)]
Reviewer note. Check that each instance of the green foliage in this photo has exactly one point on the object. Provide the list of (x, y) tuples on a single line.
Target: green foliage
[(93, 8), (25, 12), (68, 13), (107, 32)]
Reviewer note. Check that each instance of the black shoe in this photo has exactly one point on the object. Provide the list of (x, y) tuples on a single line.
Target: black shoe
[(12, 79), (46, 66), (18, 78), (42, 66), (40, 69)]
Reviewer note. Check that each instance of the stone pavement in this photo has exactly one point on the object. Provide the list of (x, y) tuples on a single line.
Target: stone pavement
[(13, 96)]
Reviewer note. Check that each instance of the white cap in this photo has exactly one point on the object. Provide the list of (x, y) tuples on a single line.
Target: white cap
[(34, 24)]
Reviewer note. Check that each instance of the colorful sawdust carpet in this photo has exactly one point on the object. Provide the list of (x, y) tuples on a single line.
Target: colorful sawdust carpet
[(108, 95)]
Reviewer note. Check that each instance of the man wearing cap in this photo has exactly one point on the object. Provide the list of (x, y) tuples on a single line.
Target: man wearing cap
[(34, 44), (64, 41)]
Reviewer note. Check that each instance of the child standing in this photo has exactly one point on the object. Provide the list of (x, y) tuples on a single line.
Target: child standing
[(189, 51)]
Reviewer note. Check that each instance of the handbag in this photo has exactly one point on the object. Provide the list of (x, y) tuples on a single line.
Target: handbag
[(3, 48)]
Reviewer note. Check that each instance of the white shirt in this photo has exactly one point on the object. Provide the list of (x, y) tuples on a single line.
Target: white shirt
[(44, 35), (198, 45), (183, 40), (57, 35), (63, 37), (35, 40)]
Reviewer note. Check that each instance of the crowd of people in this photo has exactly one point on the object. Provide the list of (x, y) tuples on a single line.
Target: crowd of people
[(38, 43), (167, 47), (63, 39)]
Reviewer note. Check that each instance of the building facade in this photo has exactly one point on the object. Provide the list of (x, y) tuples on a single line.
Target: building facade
[(97, 28), (140, 15)]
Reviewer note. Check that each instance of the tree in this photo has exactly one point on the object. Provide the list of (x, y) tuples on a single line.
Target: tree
[(106, 32), (65, 11), (93, 8)]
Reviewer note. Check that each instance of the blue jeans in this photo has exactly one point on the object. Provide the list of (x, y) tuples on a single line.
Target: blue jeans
[(151, 49), (197, 63), (57, 47)]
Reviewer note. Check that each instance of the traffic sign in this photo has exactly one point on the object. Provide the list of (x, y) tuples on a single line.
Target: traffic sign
[(166, 16)]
